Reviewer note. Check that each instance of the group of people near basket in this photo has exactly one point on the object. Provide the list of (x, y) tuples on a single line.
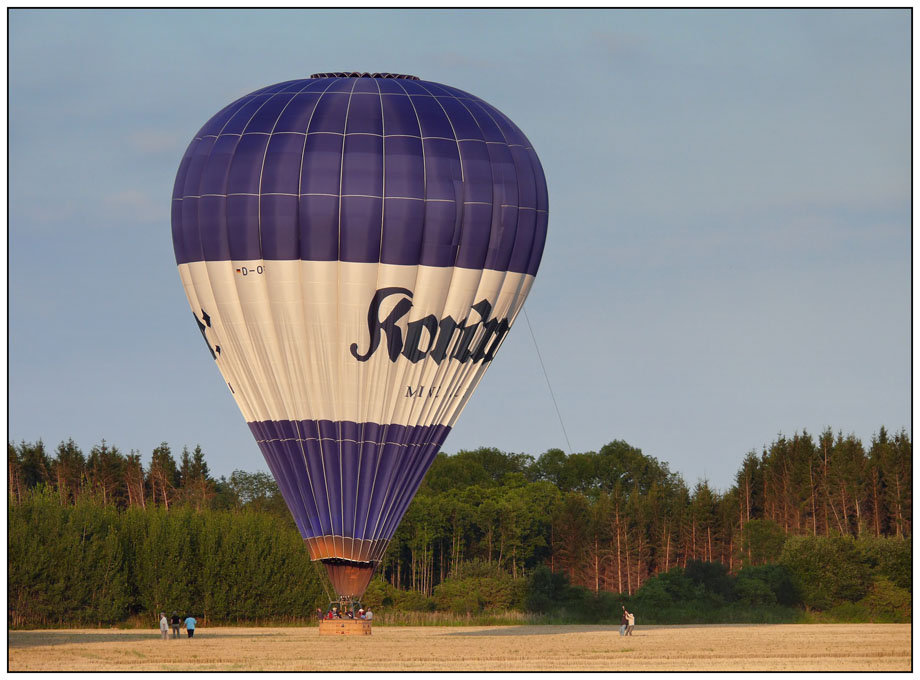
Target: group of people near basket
[(174, 623), (334, 613)]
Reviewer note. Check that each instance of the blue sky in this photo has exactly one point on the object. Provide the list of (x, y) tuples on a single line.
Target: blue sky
[(728, 255)]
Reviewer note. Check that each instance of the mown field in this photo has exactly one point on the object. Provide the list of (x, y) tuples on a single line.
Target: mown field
[(824, 647)]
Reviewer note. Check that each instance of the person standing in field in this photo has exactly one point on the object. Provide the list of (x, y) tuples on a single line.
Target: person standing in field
[(164, 626), (175, 622), (623, 622), (630, 622), (190, 626)]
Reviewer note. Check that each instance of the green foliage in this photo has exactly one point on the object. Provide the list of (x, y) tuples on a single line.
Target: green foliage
[(890, 558), (819, 524), (707, 587), (763, 541), (167, 569), (665, 590), (655, 595), (35, 584), (33, 462), (485, 467), (552, 595), (413, 601), (712, 584), (379, 594), (591, 473), (256, 491), (90, 563), (65, 563), (546, 589), (775, 577), (753, 591), (887, 602), (483, 587), (827, 571), (884, 603)]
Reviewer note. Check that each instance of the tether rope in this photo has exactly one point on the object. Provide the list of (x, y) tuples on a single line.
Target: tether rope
[(546, 375)]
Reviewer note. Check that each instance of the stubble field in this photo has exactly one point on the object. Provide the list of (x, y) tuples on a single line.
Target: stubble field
[(832, 647)]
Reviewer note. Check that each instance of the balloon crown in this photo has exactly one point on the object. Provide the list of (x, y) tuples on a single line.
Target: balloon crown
[(365, 74)]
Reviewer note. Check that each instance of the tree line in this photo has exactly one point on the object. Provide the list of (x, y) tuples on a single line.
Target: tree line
[(614, 521), (88, 563), (121, 481)]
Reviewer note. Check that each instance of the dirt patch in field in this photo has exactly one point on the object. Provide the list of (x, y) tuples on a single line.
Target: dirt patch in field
[(831, 647)]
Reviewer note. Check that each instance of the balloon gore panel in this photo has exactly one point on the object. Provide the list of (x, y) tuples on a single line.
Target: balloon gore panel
[(347, 484)]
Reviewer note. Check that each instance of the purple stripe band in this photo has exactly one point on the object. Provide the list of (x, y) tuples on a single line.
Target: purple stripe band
[(347, 479)]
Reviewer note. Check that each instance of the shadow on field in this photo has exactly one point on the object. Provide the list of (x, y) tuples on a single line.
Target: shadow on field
[(503, 631), (45, 638), (574, 628)]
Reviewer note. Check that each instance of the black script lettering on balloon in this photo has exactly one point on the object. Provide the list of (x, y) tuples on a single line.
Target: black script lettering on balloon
[(429, 336)]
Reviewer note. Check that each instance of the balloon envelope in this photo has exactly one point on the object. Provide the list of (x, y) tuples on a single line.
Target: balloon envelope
[(354, 248)]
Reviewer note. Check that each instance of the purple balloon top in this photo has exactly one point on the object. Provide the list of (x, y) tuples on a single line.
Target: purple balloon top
[(361, 168)]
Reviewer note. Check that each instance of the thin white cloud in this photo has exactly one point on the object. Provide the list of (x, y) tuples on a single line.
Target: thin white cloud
[(614, 43), (133, 205), (152, 140), (460, 60), (43, 212)]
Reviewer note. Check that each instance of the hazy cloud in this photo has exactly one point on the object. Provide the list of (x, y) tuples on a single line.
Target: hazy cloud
[(42, 212), (461, 60), (614, 44), (133, 205), (152, 140)]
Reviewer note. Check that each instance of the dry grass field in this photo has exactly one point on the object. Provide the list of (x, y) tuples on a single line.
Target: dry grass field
[(832, 647)]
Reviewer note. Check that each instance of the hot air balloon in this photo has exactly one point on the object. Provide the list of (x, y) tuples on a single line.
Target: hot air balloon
[(355, 248)]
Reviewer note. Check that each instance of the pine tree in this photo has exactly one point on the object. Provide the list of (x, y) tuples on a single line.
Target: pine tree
[(69, 471), (16, 483), (106, 472), (896, 461), (34, 465), (163, 476), (134, 480), (199, 484)]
